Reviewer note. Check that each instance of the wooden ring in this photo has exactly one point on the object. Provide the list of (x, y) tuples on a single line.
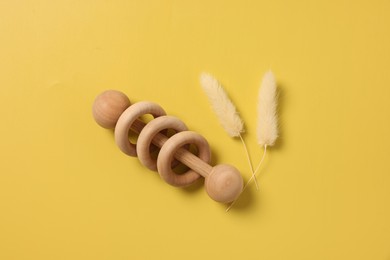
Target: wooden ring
[(126, 120), (149, 132), (167, 154)]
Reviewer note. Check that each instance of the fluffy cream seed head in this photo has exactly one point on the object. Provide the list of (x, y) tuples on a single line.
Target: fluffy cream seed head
[(222, 105), (267, 126)]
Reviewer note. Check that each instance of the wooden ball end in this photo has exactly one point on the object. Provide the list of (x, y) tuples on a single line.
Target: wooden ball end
[(224, 183), (108, 106)]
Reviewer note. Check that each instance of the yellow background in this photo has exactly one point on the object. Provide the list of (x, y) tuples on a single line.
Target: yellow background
[(67, 192)]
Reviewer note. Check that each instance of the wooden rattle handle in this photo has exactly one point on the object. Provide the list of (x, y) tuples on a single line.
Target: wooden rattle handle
[(182, 155), (112, 108)]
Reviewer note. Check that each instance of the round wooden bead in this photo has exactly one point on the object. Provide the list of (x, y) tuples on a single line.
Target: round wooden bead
[(108, 106), (224, 183), (126, 120), (167, 153), (149, 132)]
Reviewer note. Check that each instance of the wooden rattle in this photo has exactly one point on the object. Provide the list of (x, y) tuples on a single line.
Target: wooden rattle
[(112, 109)]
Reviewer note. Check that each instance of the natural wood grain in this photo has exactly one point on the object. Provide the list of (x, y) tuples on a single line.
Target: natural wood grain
[(127, 119), (223, 182), (108, 107), (198, 165), (147, 134)]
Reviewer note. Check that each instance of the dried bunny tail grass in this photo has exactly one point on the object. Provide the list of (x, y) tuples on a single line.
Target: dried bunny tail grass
[(222, 105), (267, 120)]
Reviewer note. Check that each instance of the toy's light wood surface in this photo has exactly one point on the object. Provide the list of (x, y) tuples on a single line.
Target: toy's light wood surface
[(126, 120), (145, 138), (226, 184), (182, 155), (216, 183), (108, 107), (67, 192), (188, 158), (168, 152)]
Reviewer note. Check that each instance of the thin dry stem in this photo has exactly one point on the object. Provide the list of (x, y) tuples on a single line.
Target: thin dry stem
[(249, 161), (261, 161), (249, 181)]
